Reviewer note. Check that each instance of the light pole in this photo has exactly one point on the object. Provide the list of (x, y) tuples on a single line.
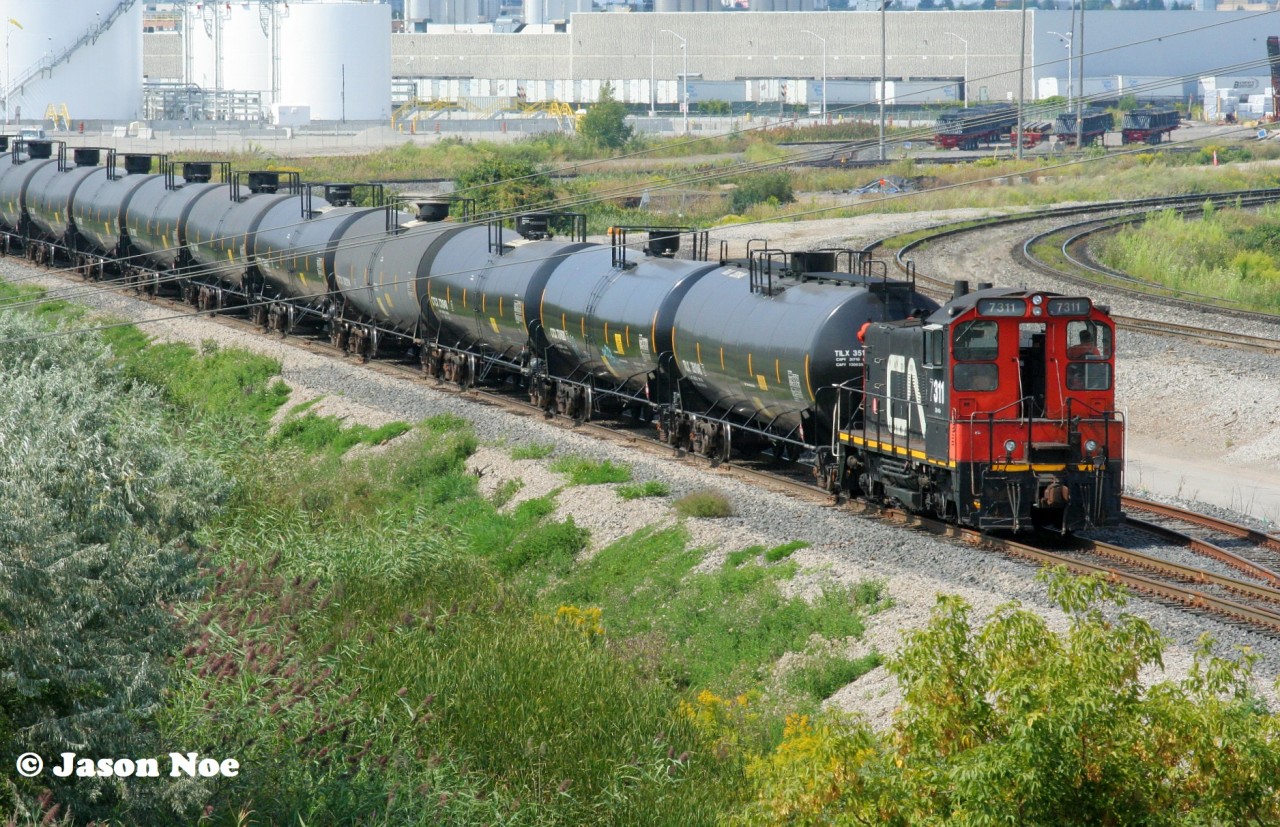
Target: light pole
[(1066, 41), (966, 66), (652, 92), (684, 77), (8, 79), (884, 62), (824, 70)]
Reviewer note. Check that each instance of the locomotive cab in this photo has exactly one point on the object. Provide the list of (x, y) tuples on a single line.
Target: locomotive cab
[(997, 411)]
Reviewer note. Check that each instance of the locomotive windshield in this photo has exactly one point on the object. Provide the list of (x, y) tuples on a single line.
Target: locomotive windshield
[(977, 341), (1088, 340), (1088, 348)]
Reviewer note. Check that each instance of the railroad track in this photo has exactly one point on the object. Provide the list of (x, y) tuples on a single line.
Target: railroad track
[(1131, 212), (1132, 569)]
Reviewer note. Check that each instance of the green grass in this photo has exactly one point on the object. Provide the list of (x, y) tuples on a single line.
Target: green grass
[(720, 630), (395, 652), (784, 551), (649, 488), (707, 504), (320, 434), (822, 676), (533, 450), (582, 471), (1229, 254), (212, 384)]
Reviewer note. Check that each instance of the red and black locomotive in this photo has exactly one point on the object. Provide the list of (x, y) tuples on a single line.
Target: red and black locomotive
[(996, 411)]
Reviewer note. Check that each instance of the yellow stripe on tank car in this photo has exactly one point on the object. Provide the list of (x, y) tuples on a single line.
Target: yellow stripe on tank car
[(777, 371), (500, 313), (606, 334), (721, 358), (582, 323), (749, 370), (698, 349), (628, 337), (808, 385)]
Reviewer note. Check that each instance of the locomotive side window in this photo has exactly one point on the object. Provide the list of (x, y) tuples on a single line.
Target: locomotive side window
[(977, 341), (934, 346), (1087, 340), (981, 376)]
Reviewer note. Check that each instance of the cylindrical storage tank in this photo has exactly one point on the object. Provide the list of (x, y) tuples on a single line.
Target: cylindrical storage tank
[(17, 177), (613, 322), (336, 58), (500, 305), (768, 356), (100, 204), (52, 192), (96, 49), (470, 11), (156, 218), (664, 6), (438, 10), (415, 10), (230, 48), (384, 276)]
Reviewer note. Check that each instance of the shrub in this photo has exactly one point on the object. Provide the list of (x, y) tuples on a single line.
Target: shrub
[(762, 187), (98, 510), (649, 488), (708, 504)]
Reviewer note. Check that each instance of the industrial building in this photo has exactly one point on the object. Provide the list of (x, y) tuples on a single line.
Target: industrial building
[(346, 60)]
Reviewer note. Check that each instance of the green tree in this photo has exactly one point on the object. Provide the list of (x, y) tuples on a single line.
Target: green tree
[(503, 185), (97, 511), (1013, 723), (605, 124)]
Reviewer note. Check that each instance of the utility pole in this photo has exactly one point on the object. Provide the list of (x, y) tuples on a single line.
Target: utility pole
[(824, 70), (1022, 73), (684, 78), (1080, 115), (884, 4), (966, 66)]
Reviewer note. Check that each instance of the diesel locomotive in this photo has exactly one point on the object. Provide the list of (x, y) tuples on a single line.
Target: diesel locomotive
[(980, 410)]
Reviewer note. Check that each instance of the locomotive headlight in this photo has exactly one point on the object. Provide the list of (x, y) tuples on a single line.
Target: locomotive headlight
[(1091, 446), (1009, 445), (1037, 300)]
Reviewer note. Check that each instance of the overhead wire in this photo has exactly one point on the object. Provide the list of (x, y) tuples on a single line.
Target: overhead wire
[(800, 214), (714, 174)]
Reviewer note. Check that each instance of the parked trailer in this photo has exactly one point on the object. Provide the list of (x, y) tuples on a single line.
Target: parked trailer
[(967, 128), (1032, 134), (1148, 126), (1094, 125)]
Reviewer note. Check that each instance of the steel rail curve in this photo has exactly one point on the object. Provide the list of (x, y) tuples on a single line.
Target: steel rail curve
[(1178, 594)]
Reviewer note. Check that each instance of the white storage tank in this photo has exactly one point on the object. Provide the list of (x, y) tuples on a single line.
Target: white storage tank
[(230, 48), (336, 58), (85, 55)]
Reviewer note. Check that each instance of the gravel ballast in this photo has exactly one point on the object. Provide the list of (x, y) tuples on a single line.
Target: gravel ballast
[(1170, 393)]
